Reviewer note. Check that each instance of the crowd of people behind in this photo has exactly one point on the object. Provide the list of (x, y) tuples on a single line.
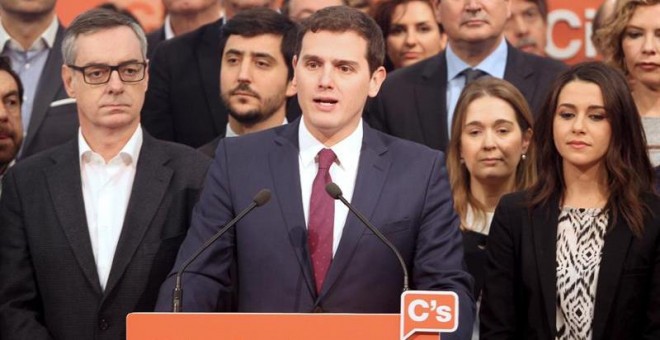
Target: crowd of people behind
[(524, 185)]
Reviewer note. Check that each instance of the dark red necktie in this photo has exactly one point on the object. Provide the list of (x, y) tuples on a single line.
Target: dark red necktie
[(321, 218)]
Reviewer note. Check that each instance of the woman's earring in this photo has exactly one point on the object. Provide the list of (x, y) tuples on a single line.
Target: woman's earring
[(524, 157)]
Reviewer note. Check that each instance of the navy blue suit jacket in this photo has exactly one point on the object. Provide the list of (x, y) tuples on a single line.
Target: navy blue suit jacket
[(401, 187), (412, 102)]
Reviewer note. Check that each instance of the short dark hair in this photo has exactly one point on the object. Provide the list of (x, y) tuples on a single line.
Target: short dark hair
[(384, 11), (5, 65), (543, 7), (259, 21), (627, 163), (286, 6), (95, 20), (339, 19)]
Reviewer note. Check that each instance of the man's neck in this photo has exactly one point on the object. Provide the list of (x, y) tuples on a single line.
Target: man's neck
[(183, 23), (25, 32), (107, 142), (474, 53), (273, 121)]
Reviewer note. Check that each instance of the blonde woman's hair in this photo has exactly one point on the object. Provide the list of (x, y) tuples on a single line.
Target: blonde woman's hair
[(609, 37), (459, 177)]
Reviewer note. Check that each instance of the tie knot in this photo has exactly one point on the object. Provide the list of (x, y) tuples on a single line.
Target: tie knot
[(472, 74), (326, 157)]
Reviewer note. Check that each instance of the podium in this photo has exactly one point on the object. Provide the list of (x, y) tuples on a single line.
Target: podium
[(256, 326)]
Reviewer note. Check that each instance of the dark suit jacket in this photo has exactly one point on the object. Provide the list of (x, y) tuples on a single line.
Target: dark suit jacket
[(52, 123), (412, 102), (520, 296), (153, 40), (401, 186), (183, 100), (49, 286)]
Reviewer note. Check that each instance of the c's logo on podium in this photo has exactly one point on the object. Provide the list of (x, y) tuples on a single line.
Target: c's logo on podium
[(428, 312)]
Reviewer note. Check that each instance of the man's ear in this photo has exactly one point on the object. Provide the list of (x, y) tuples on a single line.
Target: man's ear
[(376, 81), (293, 81), (291, 89), (68, 79)]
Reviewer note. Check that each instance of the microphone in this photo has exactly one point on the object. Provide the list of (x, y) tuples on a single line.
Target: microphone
[(335, 192), (261, 198)]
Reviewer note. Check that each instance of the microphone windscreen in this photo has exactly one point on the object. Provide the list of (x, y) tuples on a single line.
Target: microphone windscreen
[(262, 197), (333, 190)]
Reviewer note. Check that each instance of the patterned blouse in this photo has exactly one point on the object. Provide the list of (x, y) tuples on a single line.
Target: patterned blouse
[(580, 239)]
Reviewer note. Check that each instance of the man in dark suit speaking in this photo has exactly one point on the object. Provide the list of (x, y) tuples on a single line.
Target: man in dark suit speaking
[(90, 229), (302, 251), (417, 102)]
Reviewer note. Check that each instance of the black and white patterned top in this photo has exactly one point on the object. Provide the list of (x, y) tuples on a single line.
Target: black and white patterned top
[(580, 239)]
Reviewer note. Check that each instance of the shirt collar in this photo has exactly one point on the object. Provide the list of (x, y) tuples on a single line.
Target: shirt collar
[(47, 37), (167, 27), (4, 171), (494, 64), (129, 154), (310, 146)]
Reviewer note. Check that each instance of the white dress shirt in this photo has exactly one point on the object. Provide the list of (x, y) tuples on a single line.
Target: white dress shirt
[(494, 65), (106, 190), (343, 172)]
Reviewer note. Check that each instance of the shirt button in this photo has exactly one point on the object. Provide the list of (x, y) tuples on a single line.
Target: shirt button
[(103, 324), (27, 66)]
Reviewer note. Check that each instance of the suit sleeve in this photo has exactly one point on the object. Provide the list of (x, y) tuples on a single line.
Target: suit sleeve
[(157, 111), (207, 281), (21, 312), (652, 329), (498, 308), (438, 262)]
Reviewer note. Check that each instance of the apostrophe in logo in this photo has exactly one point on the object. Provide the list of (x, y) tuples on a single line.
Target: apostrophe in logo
[(428, 312)]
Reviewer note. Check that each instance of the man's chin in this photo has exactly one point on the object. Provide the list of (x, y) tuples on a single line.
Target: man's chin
[(246, 117)]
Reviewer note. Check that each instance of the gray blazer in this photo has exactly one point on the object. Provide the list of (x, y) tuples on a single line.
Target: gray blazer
[(54, 119)]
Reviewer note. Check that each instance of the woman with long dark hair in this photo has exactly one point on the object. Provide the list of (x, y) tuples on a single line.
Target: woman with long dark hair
[(577, 256)]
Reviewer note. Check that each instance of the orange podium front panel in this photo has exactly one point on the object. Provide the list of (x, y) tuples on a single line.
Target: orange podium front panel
[(251, 326)]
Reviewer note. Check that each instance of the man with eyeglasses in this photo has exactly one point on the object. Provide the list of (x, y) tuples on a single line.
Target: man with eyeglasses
[(91, 228)]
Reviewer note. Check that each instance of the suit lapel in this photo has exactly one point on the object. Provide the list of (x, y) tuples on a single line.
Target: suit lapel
[(431, 101), (284, 164), (65, 187), (544, 232), (152, 179), (50, 82), (372, 172), (209, 56), (518, 72), (617, 243)]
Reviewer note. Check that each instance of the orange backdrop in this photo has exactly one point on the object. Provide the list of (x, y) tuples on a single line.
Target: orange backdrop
[(570, 22)]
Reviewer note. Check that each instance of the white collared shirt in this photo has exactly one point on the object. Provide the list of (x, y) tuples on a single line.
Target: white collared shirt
[(343, 172), (494, 65), (106, 190)]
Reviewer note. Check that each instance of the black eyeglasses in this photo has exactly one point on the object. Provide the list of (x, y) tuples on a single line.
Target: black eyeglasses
[(129, 72)]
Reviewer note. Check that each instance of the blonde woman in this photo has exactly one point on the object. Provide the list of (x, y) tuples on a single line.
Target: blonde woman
[(490, 154)]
